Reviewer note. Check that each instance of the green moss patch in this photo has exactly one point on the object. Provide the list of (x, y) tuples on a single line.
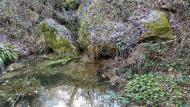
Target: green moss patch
[(57, 42), (71, 4), (160, 28), (83, 35), (62, 60)]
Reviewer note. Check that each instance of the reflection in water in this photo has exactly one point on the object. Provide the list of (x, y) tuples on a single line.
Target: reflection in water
[(69, 96), (78, 88)]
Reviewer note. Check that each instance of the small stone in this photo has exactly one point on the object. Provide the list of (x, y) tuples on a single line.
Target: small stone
[(170, 69), (36, 92), (9, 99), (3, 84), (14, 67), (6, 81)]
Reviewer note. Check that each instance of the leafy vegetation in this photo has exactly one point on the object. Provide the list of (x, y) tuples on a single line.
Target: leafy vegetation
[(71, 4), (147, 88), (55, 40), (151, 89), (6, 54), (120, 48), (154, 58), (61, 60)]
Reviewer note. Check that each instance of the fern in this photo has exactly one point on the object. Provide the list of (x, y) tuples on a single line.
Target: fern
[(6, 54)]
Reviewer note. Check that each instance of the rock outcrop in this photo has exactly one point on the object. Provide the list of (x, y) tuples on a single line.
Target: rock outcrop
[(107, 28)]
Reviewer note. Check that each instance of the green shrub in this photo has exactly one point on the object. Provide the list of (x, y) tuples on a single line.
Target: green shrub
[(6, 54), (151, 89)]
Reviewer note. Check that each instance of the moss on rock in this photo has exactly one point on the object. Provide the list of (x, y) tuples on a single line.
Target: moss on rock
[(159, 27), (71, 4), (102, 27), (57, 37), (95, 33), (83, 35)]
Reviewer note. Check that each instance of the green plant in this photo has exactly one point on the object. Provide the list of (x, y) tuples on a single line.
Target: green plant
[(120, 70), (6, 54), (71, 4), (120, 48), (180, 66), (152, 58), (83, 35), (151, 89), (62, 60)]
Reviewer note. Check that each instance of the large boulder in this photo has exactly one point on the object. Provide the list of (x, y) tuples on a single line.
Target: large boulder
[(57, 37), (100, 28), (106, 27)]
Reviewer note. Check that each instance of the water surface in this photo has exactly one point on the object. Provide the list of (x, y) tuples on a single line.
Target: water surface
[(78, 86)]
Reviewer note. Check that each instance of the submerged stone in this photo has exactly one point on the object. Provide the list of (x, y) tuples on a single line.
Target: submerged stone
[(14, 67)]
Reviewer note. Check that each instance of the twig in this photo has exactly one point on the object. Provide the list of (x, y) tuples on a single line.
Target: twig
[(16, 100)]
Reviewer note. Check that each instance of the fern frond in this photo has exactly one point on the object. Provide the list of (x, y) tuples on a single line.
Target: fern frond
[(6, 54)]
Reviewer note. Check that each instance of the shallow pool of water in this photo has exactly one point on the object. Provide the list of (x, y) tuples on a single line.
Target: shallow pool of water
[(77, 85)]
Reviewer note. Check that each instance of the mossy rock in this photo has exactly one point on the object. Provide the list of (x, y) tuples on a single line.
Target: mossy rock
[(158, 26), (102, 28), (57, 37), (96, 30), (71, 4), (93, 50)]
